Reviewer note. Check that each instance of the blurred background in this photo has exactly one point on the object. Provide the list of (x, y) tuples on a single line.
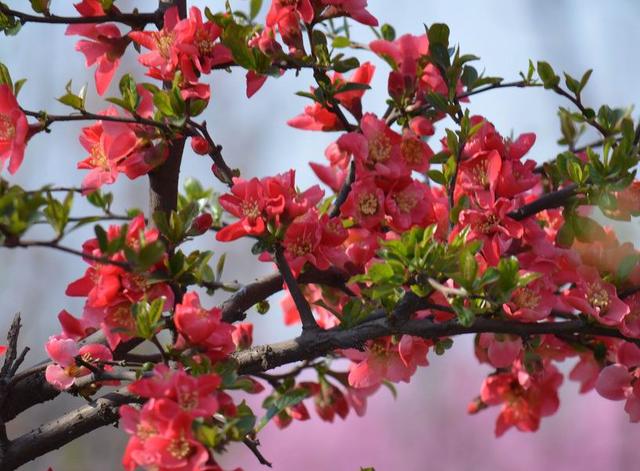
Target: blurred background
[(426, 427)]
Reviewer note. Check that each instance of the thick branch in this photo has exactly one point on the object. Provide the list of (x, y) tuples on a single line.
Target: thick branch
[(59, 432), (266, 357)]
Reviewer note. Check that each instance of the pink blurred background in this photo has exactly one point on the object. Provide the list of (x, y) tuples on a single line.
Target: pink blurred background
[(426, 427)]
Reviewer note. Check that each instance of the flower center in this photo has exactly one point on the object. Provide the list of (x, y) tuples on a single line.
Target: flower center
[(179, 448), (205, 46), (98, 157), (489, 225), (405, 201), (480, 176), (164, 42), (120, 316), (526, 298), (368, 204), (250, 209), (7, 129), (411, 151), (379, 148), (597, 296), (188, 400), (301, 247), (145, 431)]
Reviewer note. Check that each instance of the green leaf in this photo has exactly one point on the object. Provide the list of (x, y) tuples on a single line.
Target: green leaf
[(40, 6), (437, 176), (346, 65), (340, 42), (254, 8), (627, 264), (388, 32), (235, 37), (547, 75), (75, 101), (468, 267), (586, 229), (5, 76), (288, 399)]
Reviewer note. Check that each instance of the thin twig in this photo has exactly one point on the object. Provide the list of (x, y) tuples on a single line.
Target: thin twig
[(306, 316)]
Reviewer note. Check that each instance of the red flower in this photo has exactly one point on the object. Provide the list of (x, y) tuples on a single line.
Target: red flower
[(193, 394), (109, 145), (203, 52), (596, 298), (530, 303), (195, 322), (164, 55), (318, 118), (408, 203), (247, 202), (383, 360), (63, 352), (377, 148), (242, 335), (355, 9), (14, 130), (493, 227), (525, 398), (365, 204), (104, 46)]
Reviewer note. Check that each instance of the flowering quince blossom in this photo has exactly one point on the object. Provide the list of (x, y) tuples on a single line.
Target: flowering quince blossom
[(104, 45), (257, 202), (204, 328), (596, 298), (493, 227), (525, 398), (501, 351), (111, 290), (14, 130), (63, 351), (421, 239), (385, 360), (318, 118), (116, 147)]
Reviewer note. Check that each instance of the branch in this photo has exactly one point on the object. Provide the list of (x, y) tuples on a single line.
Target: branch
[(306, 316), (344, 190), (47, 119), (215, 152), (59, 432), (555, 199), (135, 20), (233, 309), (578, 103), (54, 245), (266, 357)]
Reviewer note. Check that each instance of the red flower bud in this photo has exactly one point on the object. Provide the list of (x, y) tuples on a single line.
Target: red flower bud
[(200, 145)]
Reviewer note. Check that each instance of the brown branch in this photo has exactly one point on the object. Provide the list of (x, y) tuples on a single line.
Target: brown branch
[(48, 119), (578, 103), (54, 245), (554, 199), (266, 357), (306, 316), (59, 432), (225, 174), (253, 447), (233, 309), (344, 190), (135, 20), (306, 347)]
